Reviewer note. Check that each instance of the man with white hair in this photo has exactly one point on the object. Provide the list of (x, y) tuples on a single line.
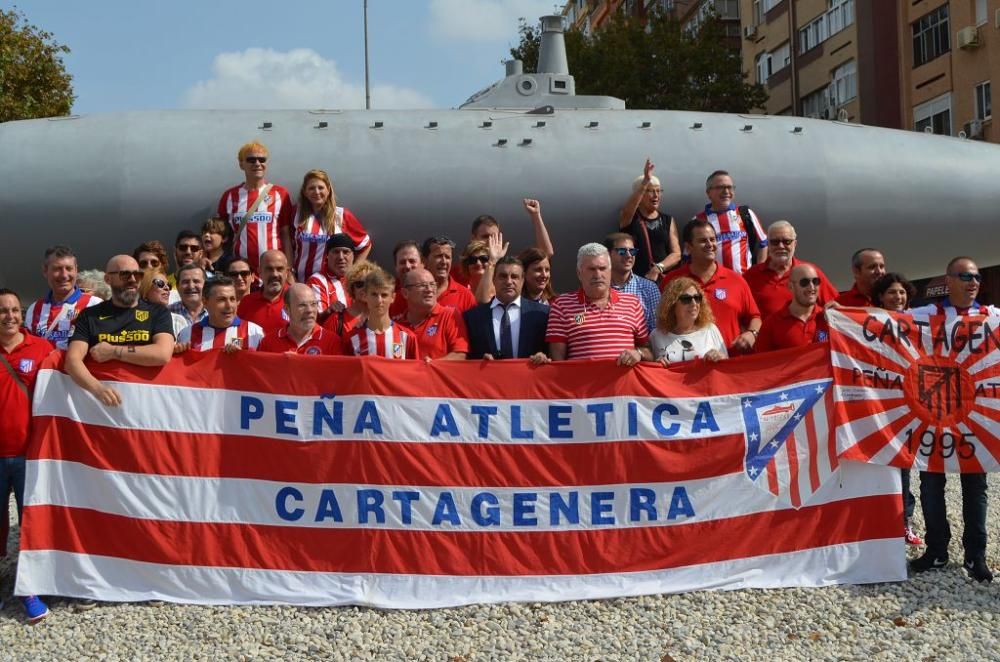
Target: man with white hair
[(654, 232), (596, 321), (769, 280)]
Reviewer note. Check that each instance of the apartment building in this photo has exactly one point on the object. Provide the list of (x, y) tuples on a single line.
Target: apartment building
[(950, 54), (589, 15), (830, 59)]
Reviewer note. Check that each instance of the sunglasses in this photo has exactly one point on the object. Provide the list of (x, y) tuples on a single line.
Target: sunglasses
[(968, 277), (690, 298), (189, 248), (256, 159), (781, 242), (145, 264), (806, 282), (239, 274), (160, 283), (125, 274), (627, 251), (481, 259)]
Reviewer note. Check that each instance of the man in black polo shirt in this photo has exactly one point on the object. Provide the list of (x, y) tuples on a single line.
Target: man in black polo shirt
[(125, 328)]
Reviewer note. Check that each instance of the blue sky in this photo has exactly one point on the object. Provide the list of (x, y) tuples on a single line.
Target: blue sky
[(148, 54)]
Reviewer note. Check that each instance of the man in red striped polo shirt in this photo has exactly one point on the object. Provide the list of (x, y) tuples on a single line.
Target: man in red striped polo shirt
[(222, 328), (596, 322)]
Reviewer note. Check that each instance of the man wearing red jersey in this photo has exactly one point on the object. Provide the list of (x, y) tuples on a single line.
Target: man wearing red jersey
[(329, 283), (769, 280), (222, 328), (378, 335), (729, 296), (302, 335), (867, 265), (440, 330), (52, 317), (437, 254), (259, 213), (739, 242), (266, 307), (802, 322), (22, 354), (405, 256), (596, 321)]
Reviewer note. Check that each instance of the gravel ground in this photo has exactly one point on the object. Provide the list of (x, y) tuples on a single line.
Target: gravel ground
[(936, 616)]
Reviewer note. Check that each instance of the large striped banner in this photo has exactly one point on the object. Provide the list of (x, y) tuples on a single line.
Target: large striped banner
[(917, 390), (328, 481)]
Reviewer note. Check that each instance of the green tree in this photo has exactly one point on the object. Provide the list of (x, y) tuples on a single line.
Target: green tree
[(654, 64), (33, 79)]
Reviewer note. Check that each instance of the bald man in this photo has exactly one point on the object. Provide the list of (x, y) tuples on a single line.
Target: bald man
[(802, 321), (126, 328), (266, 308)]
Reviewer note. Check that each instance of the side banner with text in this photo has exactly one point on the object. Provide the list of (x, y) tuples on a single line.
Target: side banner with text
[(917, 391), (325, 481)]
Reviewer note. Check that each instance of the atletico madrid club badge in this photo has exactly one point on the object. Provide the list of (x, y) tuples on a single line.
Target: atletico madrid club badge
[(432, 329), (578, 320), (720, 294), (397, 350)]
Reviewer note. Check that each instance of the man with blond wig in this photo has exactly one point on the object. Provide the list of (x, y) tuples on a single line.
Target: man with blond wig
[(258, 212)]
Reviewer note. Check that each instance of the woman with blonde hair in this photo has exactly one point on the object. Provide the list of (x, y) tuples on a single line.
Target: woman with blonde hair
[(685, 328), (317, 218), (155, 288), (356, 313)]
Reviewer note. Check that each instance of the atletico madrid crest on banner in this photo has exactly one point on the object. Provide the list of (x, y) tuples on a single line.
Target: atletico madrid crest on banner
[(917, 390)]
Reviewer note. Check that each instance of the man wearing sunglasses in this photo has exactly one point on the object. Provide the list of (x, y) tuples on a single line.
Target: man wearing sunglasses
[(187, 250), (621, 247), (802, 322), (963, 279), (52, 316), (259, 213), (770, 281), (126, 328)]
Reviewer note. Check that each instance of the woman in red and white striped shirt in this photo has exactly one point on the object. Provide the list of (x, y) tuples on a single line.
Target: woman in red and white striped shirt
[(317, 218)]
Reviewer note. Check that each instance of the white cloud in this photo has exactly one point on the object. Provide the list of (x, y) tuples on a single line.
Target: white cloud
[(486, 20), (300, 78)]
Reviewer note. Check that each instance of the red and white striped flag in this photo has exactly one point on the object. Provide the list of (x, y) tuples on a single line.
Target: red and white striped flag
[(321, 481)]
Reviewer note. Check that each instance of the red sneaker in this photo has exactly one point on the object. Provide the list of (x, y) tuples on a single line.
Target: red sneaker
[(911, 537)]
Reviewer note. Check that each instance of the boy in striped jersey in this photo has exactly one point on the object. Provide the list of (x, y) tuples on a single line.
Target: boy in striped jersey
[(222, 328), (379, 335)]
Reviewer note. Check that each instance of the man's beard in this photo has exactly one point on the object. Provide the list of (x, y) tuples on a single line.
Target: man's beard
[(126, 297)]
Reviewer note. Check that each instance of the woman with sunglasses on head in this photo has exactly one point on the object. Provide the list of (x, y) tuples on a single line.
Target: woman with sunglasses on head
[(154, 288), (317, 218), (537, 276), (685, 327), (893, 292)]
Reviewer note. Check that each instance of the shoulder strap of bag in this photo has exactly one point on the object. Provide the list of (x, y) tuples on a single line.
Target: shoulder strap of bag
[(13, 373), (748, 226), (253, 209)]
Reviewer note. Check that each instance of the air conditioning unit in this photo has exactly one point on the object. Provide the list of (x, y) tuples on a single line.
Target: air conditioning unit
[(749, 31), (973, 129), (967, 37)]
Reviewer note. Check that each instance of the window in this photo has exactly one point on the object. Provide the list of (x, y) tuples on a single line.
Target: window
[(817, 104), (840, 15), (984, 105), (980, 12), (781, 57), (845, 83), (935, 114), (813, 34), (930, 36), (768, 63), (763, 66)]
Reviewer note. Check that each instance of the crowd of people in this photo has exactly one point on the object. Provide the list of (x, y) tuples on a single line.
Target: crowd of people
[(273, 274)]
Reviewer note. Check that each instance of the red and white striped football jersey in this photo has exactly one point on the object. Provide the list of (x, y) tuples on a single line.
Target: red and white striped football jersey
[(594, 333), (328, 290), (205, 337), (54, 321), (733, 243), (309, 240), (261, 232), (397, 342)]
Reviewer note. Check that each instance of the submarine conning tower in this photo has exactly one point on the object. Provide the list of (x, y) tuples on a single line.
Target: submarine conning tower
[(552, 87)]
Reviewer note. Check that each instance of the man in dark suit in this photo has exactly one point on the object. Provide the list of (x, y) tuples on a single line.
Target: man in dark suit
[(509, 327)]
